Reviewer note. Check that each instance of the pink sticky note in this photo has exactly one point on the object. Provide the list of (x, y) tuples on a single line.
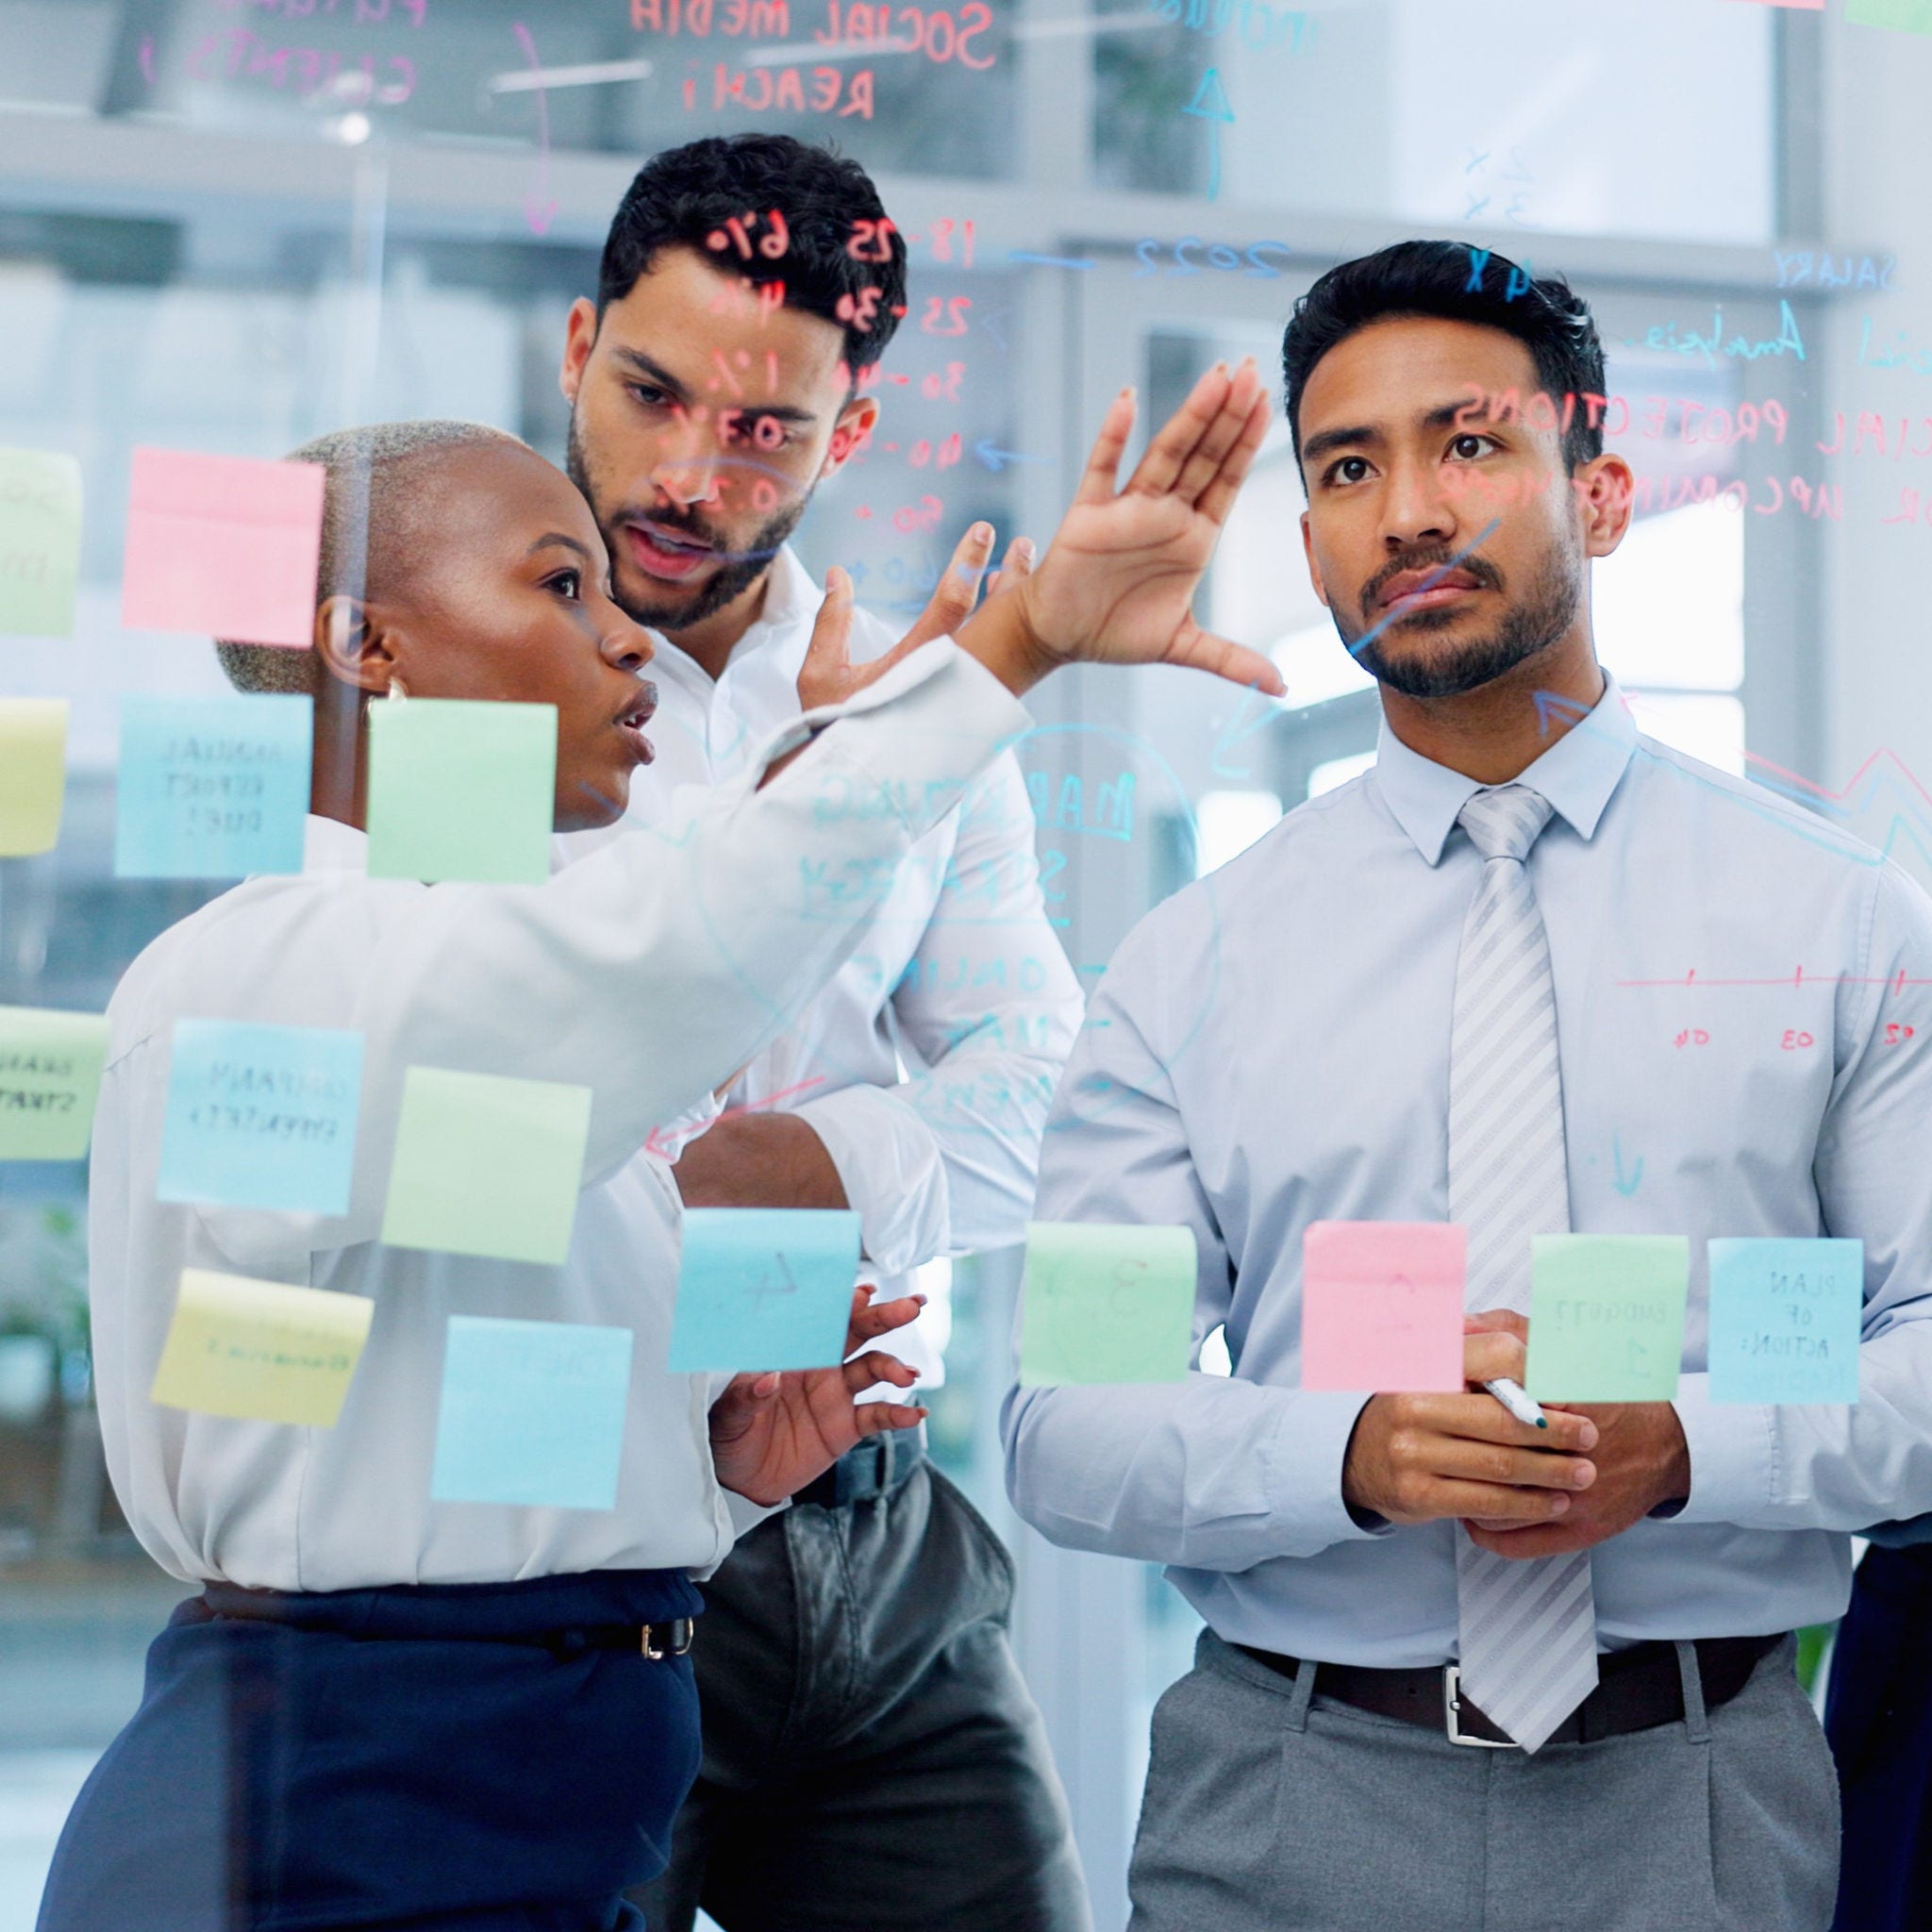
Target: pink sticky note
[(226, 547), (1382, 1306)]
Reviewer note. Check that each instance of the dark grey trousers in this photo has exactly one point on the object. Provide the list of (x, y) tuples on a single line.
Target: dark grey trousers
[(872, 1758), (1269, 1808)]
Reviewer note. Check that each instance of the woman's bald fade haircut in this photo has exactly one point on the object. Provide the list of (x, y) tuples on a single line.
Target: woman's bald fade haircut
[(366, 513)]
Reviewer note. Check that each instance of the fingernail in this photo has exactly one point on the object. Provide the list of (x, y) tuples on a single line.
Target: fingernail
[(920, 1299), (1582, 1475), (1586, 1437), (982, 533), (1558, 1504)]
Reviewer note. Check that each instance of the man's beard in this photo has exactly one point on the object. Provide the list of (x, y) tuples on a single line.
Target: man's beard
[(1525, 629), (741, 569)]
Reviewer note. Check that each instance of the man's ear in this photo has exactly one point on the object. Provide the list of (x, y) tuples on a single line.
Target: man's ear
[(850, 434), (1604, 490), (579, 338), (355, 647), (1314, 568)]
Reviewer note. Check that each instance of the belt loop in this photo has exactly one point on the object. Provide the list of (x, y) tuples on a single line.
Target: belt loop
[(1304, 1693), (1697, 1718)]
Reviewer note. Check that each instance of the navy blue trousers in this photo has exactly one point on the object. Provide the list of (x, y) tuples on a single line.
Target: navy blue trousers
[(1878, 1717), (405, 1757)]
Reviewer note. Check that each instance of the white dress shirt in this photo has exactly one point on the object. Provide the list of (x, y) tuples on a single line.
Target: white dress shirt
[(648, 973), (960, 978), (1271, 1047)]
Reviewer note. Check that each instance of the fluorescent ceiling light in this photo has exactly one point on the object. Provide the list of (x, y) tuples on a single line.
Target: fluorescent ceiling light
[(595, 74)]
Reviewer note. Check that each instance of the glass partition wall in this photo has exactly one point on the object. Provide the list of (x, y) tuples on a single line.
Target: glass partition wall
[(230, 224)]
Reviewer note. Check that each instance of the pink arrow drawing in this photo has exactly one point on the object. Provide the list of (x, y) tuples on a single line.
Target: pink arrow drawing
[(540, 205)]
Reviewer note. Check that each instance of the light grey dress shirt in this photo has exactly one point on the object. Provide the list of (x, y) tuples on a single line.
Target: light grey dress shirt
[(1735, 984)]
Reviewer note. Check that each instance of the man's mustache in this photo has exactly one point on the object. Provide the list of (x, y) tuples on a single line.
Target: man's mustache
[(1436, 556)]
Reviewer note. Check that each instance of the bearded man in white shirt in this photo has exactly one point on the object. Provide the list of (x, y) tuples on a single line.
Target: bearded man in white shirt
[(870, 1747)]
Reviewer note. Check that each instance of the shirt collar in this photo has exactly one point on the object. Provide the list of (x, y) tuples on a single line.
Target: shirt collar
[(1577, 774), (791, 604)]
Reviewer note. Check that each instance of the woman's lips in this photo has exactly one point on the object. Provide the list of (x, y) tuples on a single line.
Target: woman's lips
[(642, 750), (659, 558)]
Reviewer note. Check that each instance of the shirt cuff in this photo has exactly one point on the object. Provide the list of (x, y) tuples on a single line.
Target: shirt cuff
[(1303, 1457), (890, 1166), (1733, 1455), (746, 1515)]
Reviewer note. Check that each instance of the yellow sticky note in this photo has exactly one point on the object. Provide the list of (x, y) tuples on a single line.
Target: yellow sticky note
[(261, 1351), (33, 773)]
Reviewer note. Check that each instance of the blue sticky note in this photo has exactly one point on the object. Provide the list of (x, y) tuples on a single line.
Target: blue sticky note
[(532, 1413), (212, 788), (1785, 1320), (764, 1287), (261, 1116)]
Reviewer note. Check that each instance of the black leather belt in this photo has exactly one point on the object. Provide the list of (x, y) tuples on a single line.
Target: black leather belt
[(654, 1641), (871, 1469), (1637, 1689)]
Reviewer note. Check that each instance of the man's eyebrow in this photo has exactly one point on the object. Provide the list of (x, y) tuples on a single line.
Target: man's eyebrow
[(556, 537), (1443, 416), (652, 373), (660, 377), (1327, 440)]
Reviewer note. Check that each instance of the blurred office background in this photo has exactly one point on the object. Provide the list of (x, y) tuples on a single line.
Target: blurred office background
[(228, 225)]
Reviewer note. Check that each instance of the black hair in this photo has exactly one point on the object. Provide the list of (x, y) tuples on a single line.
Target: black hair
[(839, 256), (1460, 283)]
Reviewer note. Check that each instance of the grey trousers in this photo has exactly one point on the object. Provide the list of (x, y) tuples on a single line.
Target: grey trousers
[(871, 1758), (1270, 1806)]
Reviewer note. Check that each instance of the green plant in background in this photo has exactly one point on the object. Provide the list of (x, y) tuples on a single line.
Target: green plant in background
[(1812, 1641), (43, 1275)]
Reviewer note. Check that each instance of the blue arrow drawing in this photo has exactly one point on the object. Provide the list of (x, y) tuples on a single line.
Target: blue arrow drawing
[(1626, 1187), (1241, 725), (1210, 105), (996, 458)]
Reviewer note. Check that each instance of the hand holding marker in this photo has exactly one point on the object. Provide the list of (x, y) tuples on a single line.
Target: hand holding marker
[(1511, 1396)]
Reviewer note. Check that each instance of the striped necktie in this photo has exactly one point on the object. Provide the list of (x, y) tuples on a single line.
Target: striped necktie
[(1528, 1626)]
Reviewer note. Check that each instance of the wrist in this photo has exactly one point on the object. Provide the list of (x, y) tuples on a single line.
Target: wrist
[(1674, 1480), (1002, 636)]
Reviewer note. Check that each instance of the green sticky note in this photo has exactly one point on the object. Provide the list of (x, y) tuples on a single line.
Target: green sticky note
[(1106, 1303), (487, 1166), (33, 773), (39, 542), (50, 1076), (461, 790), (1907, 16), (1607, 1316)]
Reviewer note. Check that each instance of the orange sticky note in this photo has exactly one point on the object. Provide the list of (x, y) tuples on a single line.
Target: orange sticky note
[(1382, 1306), (226, 547)]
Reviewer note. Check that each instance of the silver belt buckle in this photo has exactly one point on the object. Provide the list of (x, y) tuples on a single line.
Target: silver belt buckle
[(1452, 1716), (679, 1630)]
